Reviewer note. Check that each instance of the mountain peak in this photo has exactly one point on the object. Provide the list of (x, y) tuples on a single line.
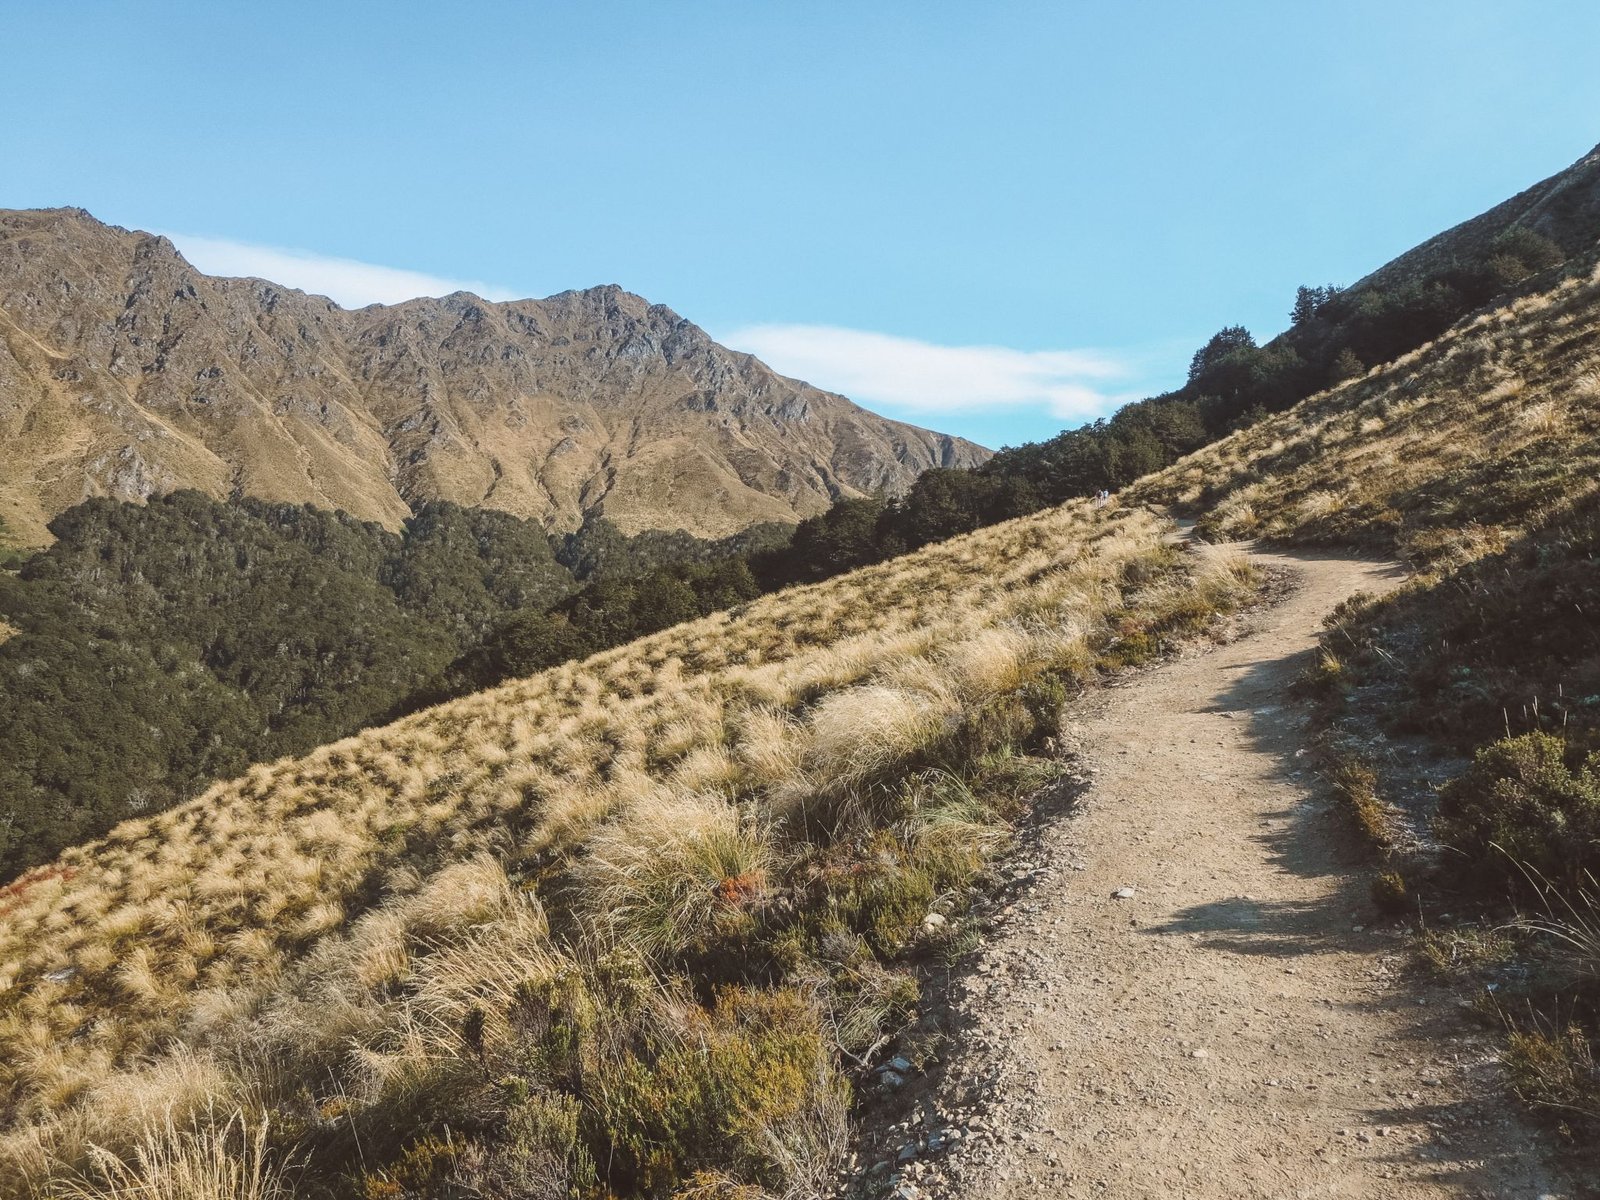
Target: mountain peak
[(134, 373)]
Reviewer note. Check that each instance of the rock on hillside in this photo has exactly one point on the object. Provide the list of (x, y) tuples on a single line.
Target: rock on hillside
[(125, 371)]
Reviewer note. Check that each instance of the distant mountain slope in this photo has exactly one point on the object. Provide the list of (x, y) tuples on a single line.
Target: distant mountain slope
[(125, 371), (1564, 208)]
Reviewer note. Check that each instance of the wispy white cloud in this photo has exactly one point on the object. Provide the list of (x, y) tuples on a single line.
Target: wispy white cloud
[(343, 280), (922, 377)]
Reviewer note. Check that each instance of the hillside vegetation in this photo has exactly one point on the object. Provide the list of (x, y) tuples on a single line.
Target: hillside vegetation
[(1445, 454), (1477, 457), (620, 927), (161, 649), (153, 649)]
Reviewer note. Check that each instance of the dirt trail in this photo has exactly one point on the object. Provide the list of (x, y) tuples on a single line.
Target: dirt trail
[(1242, 1026)]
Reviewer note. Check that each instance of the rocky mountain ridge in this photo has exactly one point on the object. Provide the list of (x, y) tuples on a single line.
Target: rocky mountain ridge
[(124, 371)]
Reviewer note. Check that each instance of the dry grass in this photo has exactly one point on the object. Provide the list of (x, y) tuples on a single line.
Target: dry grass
[(1443, 455), (673, 871), (335, 922), (226, 1161)]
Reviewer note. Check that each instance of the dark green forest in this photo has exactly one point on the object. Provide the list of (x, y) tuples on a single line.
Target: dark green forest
[(163, 646)]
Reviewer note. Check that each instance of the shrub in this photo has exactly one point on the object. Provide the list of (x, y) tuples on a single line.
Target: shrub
[(536, 1155), (1523, 808), (423, 1165), (1390, 894), (882, 893), (738, 1089)]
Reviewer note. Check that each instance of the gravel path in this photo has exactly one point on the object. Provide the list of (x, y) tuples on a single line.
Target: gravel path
[(1238, 1023)]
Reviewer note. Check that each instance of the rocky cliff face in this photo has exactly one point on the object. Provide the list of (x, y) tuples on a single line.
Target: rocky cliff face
[(124, 371)]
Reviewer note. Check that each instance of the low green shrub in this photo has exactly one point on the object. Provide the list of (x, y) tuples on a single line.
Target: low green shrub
[(1523, 812), (721, 1094), (1390, 893), (419, 1171)]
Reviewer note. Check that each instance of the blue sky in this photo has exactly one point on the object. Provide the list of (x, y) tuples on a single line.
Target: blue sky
[(995, 219)]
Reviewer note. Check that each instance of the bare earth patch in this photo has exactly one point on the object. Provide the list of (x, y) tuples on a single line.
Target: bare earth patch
[(1196, 996)]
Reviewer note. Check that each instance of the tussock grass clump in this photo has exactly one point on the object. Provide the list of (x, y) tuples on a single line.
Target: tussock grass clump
[(1556, 1071), (1356, 785), (226, 1161), (619, 927), (859, 733), (988, 663), (674, 875)]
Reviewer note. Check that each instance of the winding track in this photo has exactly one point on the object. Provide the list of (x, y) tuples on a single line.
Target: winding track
[(1243, 1026)]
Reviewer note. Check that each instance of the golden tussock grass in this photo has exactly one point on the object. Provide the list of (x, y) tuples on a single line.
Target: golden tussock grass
[(1494, 426), (224, 1160), (334, 919)]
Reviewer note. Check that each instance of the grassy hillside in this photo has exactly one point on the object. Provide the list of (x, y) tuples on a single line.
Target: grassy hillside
[(618, 927), (162, 646), (1563, 210), (1442, 455)]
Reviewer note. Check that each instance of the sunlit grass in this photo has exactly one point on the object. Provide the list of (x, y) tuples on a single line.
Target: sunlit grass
[(1443, 455), (359, 930)]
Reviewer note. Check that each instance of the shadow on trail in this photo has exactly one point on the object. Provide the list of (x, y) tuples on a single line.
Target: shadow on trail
[(1313, 837)]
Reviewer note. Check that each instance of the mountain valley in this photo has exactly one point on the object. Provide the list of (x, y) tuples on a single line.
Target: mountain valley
[(583, 859)]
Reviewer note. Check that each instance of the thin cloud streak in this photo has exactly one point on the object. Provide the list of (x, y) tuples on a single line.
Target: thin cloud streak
[(923, 377), (345, 281)]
